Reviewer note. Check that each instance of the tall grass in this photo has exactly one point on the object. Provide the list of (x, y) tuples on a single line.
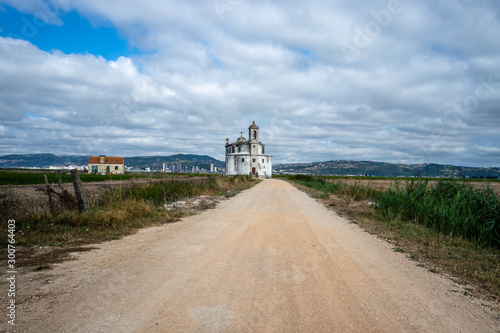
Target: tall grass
[(162, 192), (449, 207), (339, 187), (118, 211), (452, 208)]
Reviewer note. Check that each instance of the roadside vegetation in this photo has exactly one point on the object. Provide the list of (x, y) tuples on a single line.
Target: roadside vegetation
[(450, 226), (116, 212), (36, 177)]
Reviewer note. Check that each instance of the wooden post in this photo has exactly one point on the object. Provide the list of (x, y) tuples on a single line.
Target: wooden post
[(49, 193), (83, 205)]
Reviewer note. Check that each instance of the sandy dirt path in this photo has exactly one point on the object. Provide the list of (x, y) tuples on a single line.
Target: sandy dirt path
[(268, 260)]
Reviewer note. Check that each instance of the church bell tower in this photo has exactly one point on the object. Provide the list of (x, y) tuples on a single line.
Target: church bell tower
[(253, 132)]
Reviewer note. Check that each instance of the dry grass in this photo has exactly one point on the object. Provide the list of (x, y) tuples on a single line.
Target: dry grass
[(115, 213)]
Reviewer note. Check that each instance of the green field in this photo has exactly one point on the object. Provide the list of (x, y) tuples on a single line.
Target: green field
[(9, 177), (21, 177)]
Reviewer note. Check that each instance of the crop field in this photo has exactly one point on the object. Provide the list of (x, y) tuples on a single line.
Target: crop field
[(384, 183)]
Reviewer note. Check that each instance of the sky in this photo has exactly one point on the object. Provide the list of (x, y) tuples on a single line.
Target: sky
[(399, 81)]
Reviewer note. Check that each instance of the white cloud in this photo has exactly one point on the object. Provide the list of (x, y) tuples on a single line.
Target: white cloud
[(279, 64)]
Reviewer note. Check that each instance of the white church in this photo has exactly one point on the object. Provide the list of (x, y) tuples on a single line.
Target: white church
[(248, 157)]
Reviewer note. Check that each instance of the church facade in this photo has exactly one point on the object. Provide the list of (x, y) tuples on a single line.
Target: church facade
[(248, 157)]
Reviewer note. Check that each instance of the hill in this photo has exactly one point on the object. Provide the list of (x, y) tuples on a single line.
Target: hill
[(381, 169), (339, 168), (138, 162), (41, 160), (186, 160)]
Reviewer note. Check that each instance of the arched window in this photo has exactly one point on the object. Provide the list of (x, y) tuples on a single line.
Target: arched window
[(254, 135)]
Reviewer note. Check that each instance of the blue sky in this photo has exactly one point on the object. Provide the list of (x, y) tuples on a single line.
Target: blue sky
[(393, 81), (75, 34)]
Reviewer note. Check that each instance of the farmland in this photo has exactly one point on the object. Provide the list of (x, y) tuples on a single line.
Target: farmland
[(18, 177)]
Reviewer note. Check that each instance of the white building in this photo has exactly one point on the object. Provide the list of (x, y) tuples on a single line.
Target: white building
[(247, 157)]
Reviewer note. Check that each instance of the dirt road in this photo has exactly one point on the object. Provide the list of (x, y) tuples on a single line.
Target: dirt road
[(268, 260)]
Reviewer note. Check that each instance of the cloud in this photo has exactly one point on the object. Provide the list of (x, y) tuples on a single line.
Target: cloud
[(413, 92)]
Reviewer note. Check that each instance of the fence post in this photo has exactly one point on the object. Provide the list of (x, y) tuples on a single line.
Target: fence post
[(83, 205), (51, 203)]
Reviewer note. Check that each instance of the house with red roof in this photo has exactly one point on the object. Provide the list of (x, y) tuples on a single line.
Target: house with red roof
[(107, 164)]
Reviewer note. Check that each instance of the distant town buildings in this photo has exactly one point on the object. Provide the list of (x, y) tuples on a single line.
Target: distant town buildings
[(106, 164), (247, 157)]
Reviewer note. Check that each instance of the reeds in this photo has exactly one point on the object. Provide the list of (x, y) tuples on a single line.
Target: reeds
[(450, 207)]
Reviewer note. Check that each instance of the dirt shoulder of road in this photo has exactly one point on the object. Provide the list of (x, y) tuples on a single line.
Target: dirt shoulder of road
[(476, 269)]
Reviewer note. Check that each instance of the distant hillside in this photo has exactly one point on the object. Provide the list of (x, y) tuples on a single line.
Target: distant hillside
[(380, 169), (139, 162), (341, 168), (41, 160), (186, 160)]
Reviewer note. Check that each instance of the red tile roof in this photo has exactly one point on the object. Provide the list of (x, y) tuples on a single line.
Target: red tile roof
[(107, 160)]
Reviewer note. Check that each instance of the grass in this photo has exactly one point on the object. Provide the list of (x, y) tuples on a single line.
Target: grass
[(36, 178), (426, 239), (451, 208), (339, 187), (118, 212)]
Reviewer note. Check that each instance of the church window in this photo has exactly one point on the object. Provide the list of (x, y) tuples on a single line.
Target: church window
[(253, 160), (262, 160), (242, 160), (254, 135), (232, 149)]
